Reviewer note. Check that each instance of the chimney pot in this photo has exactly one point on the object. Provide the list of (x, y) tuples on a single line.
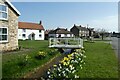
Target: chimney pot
[(40, 22)]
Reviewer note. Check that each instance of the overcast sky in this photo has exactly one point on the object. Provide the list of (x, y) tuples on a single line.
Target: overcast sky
[(66, 14)]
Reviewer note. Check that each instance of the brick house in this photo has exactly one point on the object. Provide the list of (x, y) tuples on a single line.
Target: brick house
[(8, 26), (30, 31), (60, 32), (80, 31)]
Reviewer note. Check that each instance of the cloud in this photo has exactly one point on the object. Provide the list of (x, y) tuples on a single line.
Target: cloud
[(109, 23)]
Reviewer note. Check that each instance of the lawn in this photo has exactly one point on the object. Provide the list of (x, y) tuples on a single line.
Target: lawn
[(101, 61), (15, 64)]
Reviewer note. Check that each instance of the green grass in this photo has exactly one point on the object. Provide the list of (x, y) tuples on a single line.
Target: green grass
[(101, 61), (10, 61)]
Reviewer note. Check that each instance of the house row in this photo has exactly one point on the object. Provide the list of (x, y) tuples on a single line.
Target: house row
[(75, 31), (36, 31), (80, 31)]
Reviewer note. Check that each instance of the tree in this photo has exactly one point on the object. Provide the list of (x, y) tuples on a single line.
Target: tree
[(102, 32)]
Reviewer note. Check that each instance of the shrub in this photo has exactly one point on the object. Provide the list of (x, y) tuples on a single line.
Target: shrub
[(41, 55), (51, 52)]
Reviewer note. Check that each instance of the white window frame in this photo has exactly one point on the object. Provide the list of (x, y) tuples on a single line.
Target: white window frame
[(4, 11), (4, 34)]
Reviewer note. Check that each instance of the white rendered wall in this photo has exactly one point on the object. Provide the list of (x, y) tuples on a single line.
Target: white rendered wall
[(30, 31), (62, 35)]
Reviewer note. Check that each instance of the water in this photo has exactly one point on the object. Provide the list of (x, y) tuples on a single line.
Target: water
[(67, 51)]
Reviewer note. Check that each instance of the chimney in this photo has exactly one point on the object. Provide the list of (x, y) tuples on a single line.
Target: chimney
[(40, 22), (74, 25)]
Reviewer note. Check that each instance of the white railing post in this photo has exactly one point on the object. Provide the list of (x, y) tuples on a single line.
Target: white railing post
[(49, 41), (54, 41), (82, 42)]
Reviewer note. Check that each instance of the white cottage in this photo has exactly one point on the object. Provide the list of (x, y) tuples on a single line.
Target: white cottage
[(30, 31), (60, 33)]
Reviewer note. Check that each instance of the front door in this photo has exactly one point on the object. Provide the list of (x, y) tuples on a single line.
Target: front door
[(33, 37)]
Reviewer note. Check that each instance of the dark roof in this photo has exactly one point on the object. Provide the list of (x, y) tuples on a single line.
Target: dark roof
[(60, 31), (91, 29), (47, 31), (81, 28), (27, 25)]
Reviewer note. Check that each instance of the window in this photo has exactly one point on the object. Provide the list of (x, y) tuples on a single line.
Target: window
[(24, 30), (23, 35), (40, 35), (3, 34), (3, 12), (39, 31)]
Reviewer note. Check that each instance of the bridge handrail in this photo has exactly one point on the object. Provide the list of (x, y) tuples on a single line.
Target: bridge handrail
[(79, 41)]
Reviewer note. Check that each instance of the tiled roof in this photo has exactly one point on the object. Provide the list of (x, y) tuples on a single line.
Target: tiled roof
[(60, 31), (27, 25)]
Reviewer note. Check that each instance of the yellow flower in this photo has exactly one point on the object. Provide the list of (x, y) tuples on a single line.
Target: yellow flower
[(54, 65), (70, 56)]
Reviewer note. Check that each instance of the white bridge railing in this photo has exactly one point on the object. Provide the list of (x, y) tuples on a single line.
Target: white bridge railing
[(66, 42)]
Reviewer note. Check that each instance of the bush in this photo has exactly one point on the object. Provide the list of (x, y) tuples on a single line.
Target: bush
[(41, 55), (51, 52)]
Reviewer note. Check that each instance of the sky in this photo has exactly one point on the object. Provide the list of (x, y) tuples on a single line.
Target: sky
[(98, 15)]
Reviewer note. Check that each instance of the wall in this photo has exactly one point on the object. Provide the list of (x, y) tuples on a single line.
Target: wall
[(62, 35), (75, 31), (12, 24)]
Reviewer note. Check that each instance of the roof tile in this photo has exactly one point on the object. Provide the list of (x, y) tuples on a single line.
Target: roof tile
[(27, 25)]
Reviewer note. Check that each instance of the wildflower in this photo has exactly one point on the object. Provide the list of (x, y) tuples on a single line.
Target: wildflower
[(79, 58), (63, 72), (67, 69), (73, 71), (76, 76), (54, 65), (84, 56), (59, 74), (49, 69), (48, 72), (59, 69), (27, 57), (49, 76)]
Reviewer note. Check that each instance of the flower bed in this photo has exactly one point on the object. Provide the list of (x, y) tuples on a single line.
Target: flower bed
[(68, 66)]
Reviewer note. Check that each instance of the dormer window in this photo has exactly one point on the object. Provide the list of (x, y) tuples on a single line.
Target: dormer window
[(3, 12)]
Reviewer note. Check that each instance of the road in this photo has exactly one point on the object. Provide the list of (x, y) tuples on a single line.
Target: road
[(116, 46)]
